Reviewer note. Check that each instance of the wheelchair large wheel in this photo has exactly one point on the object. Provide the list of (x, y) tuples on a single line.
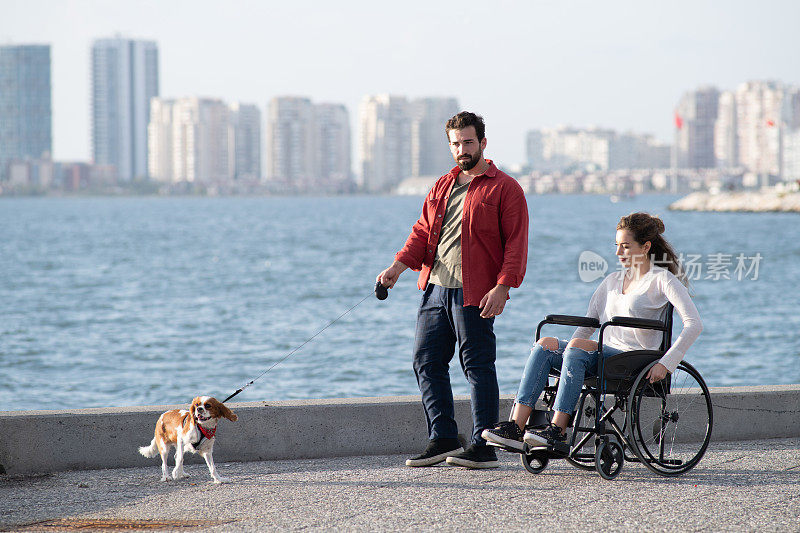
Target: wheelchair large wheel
[(670, 421), (582, 455), (534, 462)]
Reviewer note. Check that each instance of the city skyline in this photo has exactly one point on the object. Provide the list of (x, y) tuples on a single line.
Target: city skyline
[(618, 65), (753, 136)]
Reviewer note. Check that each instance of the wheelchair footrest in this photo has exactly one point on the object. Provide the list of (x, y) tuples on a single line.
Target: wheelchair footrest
[(558, 450), (503, 447)]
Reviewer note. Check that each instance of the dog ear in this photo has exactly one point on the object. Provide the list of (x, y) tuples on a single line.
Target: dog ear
[(193, 407), (224, 411)]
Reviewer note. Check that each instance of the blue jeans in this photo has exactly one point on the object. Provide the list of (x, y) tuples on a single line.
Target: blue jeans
[(575, 365), (442, 323)]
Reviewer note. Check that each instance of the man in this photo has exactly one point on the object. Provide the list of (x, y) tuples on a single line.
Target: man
[(470, 245)]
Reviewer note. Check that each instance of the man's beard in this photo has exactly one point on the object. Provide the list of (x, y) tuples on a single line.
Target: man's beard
[(469, 164)]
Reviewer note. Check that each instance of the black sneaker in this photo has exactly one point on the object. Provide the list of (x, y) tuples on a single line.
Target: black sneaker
[(506, 434), (436, 452), (549, 436), (475, 457)]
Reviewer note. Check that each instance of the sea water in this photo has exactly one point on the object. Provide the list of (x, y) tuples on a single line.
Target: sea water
[(143, 301)]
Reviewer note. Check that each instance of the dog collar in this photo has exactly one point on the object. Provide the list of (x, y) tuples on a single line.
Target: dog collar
[(207, 434), (204, 433)]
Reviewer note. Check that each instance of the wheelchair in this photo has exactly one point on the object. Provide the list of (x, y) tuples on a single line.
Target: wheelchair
[(621, 416)]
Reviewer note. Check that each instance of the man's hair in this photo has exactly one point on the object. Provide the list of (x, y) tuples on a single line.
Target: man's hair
[(464, 120)]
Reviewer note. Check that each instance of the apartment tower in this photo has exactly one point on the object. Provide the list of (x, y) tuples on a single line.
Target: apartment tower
[(25, 104), (124, 79)]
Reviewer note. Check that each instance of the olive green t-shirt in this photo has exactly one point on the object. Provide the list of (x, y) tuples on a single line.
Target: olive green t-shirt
[(446, 271)]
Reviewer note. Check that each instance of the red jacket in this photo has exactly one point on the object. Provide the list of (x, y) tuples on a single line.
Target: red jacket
[(494, 233)]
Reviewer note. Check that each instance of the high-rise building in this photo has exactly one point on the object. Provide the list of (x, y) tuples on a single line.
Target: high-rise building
[(161, 134), (25, 104), (755, 127), (625, 150), (385, 142), (566, 148), (570, 149), (726, 141), (534, 149), (332, 144), (791, 155), (191, 140), (790, 108), (246, 122), (290, 141), (790, 131), (695, 118), (582, 148), (124, 79), (430, 155), (758, 115), (654, 153), (308, 145)]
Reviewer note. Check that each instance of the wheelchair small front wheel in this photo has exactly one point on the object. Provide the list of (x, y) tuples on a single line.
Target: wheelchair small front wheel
[(534, 462), (608, 459)]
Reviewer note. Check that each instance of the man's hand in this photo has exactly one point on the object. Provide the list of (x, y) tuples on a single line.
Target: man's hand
[(494, 301), (389, 276), (657, 373)]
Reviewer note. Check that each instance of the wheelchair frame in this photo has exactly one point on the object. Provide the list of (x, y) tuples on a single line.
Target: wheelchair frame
[(624, 376)]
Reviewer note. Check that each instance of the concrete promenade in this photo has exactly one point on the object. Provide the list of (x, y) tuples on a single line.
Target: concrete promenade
[(738, 486), (339, 465), (34, 442)]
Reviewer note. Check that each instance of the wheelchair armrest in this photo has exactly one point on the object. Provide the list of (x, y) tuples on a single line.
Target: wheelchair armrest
[(569, 320), (631, 322)]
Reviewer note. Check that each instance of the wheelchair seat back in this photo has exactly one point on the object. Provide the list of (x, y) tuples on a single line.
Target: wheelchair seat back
[(620, 370)]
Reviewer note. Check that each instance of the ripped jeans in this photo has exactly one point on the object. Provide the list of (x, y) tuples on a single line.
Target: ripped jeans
[(575, 365)]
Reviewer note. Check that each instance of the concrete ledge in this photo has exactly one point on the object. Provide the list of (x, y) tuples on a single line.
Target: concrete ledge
[(46, 441)]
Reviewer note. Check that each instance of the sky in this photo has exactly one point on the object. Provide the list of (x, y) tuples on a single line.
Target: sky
[(522, 65)]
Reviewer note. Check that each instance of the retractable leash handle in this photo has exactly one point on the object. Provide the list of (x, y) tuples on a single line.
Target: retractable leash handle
[(381, 292)]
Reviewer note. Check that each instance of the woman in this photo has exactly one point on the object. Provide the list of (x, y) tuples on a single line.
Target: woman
[(651, 277)]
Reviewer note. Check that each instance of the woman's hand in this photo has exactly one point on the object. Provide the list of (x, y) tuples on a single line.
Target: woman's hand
[(657, 373)]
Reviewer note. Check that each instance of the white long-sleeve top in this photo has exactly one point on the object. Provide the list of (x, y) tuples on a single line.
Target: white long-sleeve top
[(647, 297)]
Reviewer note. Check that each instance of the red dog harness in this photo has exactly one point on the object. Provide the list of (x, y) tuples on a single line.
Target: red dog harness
[(204, 433)]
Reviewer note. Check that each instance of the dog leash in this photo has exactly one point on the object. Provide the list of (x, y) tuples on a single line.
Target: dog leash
[(381, 293)]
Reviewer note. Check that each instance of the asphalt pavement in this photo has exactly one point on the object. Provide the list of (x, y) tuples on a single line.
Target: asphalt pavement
[(738, 486)]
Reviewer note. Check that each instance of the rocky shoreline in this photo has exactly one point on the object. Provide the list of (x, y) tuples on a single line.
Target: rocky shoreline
[(767, 200)]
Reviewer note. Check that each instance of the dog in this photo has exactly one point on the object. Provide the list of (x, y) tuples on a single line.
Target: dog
[(188, 431)]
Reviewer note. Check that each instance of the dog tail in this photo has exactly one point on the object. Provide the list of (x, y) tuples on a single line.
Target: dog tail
[(149, 451)]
